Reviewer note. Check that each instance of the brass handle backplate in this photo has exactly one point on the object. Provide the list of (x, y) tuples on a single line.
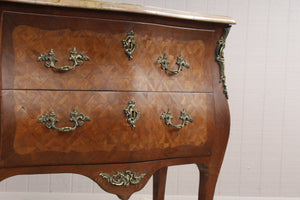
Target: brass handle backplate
[(131, 113), (50, 120), (123, 178), (50, 59), (129, 44), (182, 64), (186, 118)]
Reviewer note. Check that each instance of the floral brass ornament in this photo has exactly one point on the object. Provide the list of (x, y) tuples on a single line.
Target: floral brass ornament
[(182, 64), (185, 117), (50, 120), (129, 44), (126, 178), (220, 58), (131, 113), (75, 56)]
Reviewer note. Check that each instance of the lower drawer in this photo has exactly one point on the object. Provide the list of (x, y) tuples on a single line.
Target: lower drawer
[(107, 137)]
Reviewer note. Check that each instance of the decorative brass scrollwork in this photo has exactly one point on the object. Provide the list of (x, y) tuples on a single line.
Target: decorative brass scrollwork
[(182, 64), (131, 113), (123, 178), (220, 58), (50, 60), (129, 44), (50, 120), (186, 118)]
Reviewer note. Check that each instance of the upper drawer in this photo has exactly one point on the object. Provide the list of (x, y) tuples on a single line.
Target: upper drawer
[(26, 36)]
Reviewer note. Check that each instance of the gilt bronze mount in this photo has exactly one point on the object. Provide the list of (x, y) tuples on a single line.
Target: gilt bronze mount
[(131, 113), (126, 178), (220, 58), (75, 56), (164, 62), (185, 117), (50, 120), (129, 44)]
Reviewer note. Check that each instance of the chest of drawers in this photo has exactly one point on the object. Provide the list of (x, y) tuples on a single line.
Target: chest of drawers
[(114, 92)]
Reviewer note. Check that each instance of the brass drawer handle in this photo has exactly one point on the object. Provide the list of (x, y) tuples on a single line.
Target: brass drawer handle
[(123, 178), (186, 118), (50, 120), (129, 44), (75, 56), (182, 64)]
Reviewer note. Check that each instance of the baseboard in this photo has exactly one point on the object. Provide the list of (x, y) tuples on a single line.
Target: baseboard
[(87, 196)]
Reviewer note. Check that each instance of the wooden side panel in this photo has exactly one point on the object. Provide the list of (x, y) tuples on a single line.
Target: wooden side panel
[(107, 138), (26, 36)]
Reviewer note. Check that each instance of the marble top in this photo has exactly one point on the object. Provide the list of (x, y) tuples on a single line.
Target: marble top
[(123, 7)]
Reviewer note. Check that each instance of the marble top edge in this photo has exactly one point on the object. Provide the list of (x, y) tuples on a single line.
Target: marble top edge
[(124, 7)]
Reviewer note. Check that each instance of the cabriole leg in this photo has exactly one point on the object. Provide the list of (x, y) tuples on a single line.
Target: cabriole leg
[(208, 181), (159, 184)]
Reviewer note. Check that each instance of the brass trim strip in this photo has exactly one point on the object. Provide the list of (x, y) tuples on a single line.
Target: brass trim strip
[(220, 58)]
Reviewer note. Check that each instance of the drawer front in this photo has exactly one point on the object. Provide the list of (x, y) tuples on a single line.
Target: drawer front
[(107, 137), (27, 36)]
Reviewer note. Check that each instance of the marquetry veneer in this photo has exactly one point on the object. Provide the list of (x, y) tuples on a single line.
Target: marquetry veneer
[(133, 113)]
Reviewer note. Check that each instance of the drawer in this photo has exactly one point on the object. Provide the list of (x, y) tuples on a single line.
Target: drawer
[(107, 137), (27, 36)]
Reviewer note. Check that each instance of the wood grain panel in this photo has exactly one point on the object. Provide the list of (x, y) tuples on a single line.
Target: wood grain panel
[(107, 138), (27, 36)]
